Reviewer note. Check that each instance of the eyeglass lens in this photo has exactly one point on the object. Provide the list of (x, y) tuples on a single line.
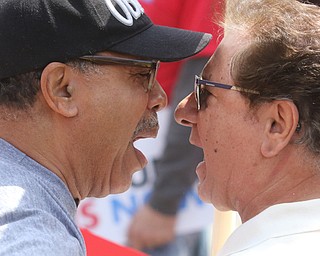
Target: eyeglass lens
[(197, 92), (152, 78)]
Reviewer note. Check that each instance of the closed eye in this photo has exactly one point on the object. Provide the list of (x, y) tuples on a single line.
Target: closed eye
[(204, 94), (144, 74), (141, 77)]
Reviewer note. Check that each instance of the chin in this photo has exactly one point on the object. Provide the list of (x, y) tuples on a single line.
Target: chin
[(120, 189), (203, 195), (114, 189), (122, 186)]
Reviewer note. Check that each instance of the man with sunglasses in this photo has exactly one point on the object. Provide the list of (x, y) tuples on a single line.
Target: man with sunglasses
[(255, 113), (77, 89)]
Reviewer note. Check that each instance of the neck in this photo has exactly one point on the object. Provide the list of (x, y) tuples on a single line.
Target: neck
[(41, 142), (291, 183)]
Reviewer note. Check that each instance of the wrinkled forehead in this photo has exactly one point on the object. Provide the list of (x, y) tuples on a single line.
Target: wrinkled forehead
[(219, 66)]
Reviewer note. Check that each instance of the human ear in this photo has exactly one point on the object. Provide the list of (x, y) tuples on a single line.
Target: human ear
[(56, 89), (281, 124)]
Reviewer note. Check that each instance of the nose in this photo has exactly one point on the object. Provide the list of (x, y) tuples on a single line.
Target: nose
[(186, 111), (157, 97)]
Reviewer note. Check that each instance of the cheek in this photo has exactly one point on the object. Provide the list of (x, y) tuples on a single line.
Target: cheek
[(126, 114), (225, 134), (125, 160), (224, 139)]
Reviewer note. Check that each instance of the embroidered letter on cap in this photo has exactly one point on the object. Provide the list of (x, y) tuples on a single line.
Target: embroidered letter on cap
[(131, 9)]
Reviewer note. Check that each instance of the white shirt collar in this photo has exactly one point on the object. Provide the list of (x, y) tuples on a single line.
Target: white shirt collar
[(276, 221)]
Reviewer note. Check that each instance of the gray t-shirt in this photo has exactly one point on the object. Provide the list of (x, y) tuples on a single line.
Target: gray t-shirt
[(36, 209)]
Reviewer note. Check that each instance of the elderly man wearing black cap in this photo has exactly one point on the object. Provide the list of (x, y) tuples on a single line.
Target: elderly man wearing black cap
[(77, 88)]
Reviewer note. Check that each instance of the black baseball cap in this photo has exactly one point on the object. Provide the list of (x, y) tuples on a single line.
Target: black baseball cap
[(34, 33)]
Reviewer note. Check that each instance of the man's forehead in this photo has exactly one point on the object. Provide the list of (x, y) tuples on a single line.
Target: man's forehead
[(216, 63), (221, 60)]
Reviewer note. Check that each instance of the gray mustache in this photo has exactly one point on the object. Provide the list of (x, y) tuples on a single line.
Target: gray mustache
[(147, 123)]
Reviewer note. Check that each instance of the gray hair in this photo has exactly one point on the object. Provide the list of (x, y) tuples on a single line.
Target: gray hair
[(282, 57), (19, 92)]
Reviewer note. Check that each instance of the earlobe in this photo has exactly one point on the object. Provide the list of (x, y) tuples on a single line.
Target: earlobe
[(280, 126), (57, 91)]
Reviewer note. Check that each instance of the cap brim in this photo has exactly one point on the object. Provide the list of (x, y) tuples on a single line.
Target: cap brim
[(164, 43)]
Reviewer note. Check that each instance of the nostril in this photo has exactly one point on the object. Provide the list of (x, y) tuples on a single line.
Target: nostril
[(184, 122), (157, 108)]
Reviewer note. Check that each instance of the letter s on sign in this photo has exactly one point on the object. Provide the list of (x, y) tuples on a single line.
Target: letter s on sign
[(131, 9), (90, 216)]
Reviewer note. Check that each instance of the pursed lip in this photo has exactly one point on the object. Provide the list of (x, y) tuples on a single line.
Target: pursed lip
[(144, 134)]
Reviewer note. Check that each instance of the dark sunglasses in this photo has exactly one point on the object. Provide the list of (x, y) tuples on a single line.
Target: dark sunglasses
[(153, 65), (199, 84)]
